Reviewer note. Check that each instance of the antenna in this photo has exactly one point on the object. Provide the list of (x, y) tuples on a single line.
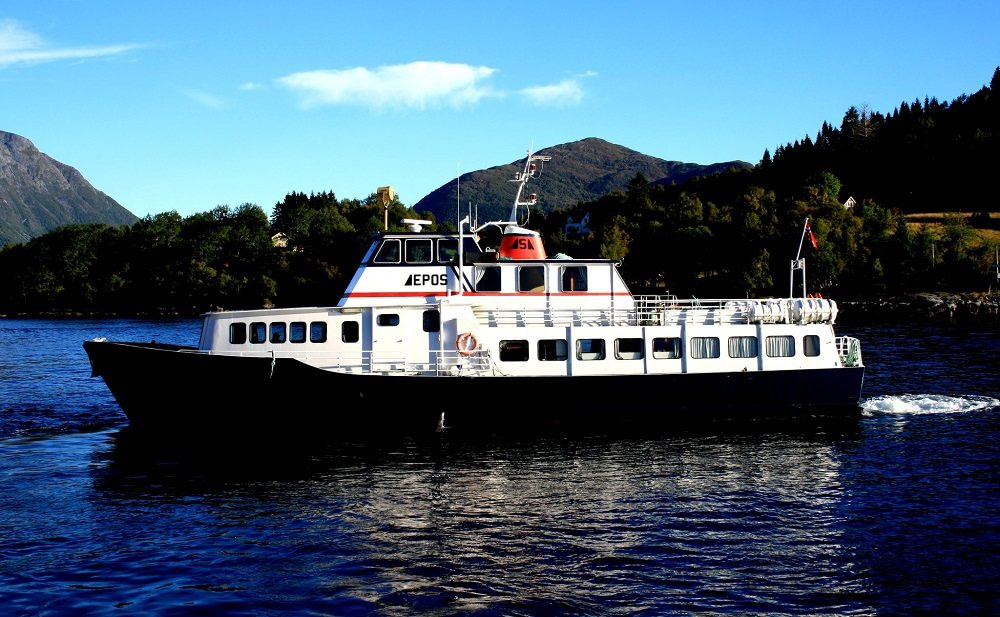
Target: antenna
[(530, 171)]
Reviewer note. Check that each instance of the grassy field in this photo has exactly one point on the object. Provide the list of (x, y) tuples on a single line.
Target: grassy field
[(937, 220)]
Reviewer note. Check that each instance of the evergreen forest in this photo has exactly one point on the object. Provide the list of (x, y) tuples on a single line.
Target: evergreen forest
[(734, 234)]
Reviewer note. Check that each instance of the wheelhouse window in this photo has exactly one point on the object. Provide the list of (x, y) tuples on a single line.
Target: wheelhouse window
[(531, 279), (742, 346), (779, 346), (419, 251), (350, 332), (667, 348), (388, 253), (590, 349), (237, 333), (628, 348), (447, 250), (317, 332), (487, 278), (514, 351), (552, 349), (388, 319), (297, 332), (810, 345), (574, 278), (258, 332), (432, 320), (278, 332), (704, 347)]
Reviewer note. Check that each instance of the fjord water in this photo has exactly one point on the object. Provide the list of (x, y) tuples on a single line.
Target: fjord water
[(891, 512)]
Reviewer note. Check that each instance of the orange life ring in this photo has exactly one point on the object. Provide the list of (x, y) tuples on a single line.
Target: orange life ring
[(466, 344)]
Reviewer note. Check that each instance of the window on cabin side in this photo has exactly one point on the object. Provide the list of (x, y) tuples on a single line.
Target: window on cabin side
[(743, 346), (590, 349), (574, 278), (552, 349), (628, 348), (514, 351), (388, 253), (237, 333), (297, 332), (810, 345), (487, 278), (779, 346), (531, 279), (432, 320), (317, 332), (419, 251), (258, 332), (350, 332), (447, 250), (667, 348), (388, 319), (704, 347), (278, 332)]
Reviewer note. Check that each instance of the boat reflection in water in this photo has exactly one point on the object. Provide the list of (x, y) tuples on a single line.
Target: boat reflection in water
[(748, 521)]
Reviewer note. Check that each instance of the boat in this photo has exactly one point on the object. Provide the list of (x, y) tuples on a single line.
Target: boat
[(440, 330)]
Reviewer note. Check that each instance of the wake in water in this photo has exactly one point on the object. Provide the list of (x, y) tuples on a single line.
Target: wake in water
[(917, 404)]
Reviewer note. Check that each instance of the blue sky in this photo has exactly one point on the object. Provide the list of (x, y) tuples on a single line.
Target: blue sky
[(188, 105)]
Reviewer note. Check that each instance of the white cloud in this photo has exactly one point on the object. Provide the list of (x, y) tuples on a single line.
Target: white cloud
[(250, 85), (561, 94), (208, 100), (415, 85), (18, 45)]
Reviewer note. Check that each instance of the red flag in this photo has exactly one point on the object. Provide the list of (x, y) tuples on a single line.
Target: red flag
[(812, 238)]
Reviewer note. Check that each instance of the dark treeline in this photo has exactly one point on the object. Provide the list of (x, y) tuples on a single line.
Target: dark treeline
[(733, 234), (737, 233), (226, 258)]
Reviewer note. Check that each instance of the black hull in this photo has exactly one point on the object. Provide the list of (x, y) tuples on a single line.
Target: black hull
[(167, 386)]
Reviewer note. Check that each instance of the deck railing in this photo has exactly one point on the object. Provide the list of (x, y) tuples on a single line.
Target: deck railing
[(446, 362), (849, 349), (649, 310)]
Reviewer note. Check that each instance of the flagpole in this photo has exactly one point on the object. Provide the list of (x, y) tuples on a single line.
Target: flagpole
[(802, 237), (798, 264)]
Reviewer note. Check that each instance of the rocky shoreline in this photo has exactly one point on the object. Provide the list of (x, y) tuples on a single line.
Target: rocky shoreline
[(974, 308)]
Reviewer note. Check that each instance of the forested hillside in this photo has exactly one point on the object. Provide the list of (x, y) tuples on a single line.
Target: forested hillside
[(581, 170), (730, 234)]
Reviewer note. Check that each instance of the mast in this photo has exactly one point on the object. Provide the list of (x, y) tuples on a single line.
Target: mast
[(530, 170), (516, 241)]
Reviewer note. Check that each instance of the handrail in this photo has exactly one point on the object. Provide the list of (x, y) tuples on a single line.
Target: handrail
[(849, 349), (442, 363), (648, 310)]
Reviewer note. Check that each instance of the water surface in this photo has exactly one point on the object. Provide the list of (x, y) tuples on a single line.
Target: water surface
[(890, 513)]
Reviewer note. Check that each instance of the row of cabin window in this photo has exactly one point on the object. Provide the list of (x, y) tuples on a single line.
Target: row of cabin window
[(350, 331), (278, 332), (662, 348), (531, 279), (417, 251)]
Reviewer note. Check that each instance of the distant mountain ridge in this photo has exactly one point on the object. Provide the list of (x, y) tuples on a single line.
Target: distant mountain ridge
[(583, 170), (38, 194)]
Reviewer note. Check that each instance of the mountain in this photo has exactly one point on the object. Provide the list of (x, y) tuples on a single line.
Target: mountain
[(38, 194), (581, 170)]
